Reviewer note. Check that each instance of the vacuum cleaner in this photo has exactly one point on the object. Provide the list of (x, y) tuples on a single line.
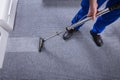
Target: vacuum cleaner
[(83, 20)]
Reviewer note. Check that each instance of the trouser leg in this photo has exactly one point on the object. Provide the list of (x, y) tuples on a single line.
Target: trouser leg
[(84, 10), (106, 19)]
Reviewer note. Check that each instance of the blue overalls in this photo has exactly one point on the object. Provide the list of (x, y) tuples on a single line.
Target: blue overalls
[(103, 20)]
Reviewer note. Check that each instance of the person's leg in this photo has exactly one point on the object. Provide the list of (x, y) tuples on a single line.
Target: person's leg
[(103, 21), (84, 10)]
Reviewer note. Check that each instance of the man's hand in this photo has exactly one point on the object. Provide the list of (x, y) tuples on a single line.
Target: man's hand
[(93, 9)]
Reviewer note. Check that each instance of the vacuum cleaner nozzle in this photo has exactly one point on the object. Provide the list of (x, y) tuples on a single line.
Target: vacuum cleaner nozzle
[(41, 44)]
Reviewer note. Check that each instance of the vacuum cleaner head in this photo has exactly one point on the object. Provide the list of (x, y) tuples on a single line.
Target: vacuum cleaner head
[(41, 44)]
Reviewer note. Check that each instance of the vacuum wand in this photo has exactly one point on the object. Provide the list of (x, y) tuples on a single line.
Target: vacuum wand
[(41, 40), (57, 33), (102, 12)]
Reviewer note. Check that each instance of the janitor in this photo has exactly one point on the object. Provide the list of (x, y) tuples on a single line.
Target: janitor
[(90, 8)]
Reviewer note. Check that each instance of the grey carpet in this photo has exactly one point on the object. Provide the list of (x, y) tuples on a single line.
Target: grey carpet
[(76, 59)]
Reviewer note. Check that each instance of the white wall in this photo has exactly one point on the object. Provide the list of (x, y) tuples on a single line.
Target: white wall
[(7, 17)]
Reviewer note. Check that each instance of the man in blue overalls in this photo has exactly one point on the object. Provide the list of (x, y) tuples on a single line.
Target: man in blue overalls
[(90, 7)]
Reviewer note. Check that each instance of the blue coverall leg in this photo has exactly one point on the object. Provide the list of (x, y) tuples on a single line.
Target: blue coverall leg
[(102, 21)]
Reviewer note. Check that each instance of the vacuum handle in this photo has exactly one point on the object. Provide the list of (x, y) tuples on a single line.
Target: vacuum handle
[(114, 6), (102, 12)]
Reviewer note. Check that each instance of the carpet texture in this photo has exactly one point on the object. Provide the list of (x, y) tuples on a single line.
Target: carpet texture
[(76, 59)]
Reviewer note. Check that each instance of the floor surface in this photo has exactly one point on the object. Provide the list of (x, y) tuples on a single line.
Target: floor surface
[(76, 59)]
